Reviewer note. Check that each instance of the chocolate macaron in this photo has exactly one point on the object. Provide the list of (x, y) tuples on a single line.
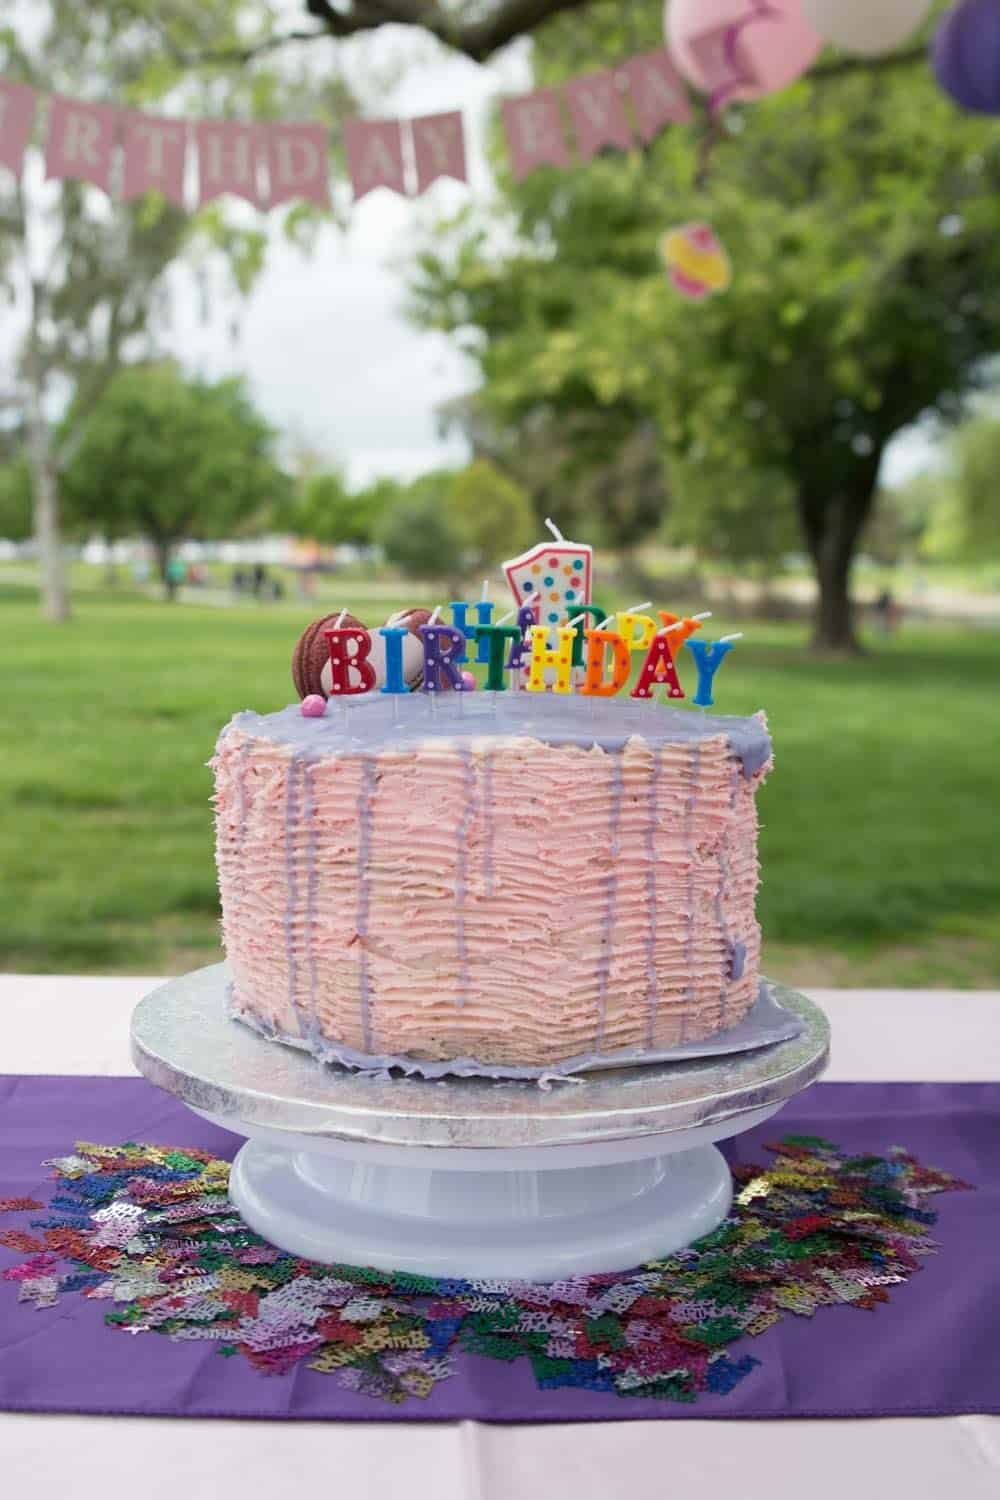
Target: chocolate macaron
[(312, 654)]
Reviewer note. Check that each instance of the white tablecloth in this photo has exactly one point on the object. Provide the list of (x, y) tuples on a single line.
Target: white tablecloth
[(67, 1025)]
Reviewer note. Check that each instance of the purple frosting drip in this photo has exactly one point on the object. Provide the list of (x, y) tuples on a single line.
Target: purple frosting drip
[(374, 722)]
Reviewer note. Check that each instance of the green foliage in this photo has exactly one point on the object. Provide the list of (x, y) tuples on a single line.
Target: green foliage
[(15, 500), (491, 513), (974, 492), (172, 458), (418, 532), (860, 214), (323, 509)]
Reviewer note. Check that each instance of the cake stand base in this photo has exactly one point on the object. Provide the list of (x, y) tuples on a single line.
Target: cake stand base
[(468, 1178), (533, 1223)]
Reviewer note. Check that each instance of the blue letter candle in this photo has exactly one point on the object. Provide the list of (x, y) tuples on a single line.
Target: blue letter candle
[(394, 636), (484, 615), (460, 620), (708, 657)]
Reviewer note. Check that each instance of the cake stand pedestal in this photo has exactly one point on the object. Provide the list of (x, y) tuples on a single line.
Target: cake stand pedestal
[(468, 1177)]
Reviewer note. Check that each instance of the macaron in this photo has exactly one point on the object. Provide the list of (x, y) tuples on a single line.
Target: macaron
[(312, 654)]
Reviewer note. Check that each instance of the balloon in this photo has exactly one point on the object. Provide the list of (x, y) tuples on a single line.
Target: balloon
[(740, 49), (865, 26), (966, 55)]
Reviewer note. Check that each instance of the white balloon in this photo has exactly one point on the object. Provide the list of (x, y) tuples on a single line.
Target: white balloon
[(865, 26)]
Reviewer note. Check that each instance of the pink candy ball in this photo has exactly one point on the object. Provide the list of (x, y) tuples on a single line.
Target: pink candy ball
[(469, 679), (313, 707)]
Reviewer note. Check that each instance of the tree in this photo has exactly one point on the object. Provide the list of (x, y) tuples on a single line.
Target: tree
[(418, 533), (477, 30), (860, 210), (974, 490), (323, 509), (15, 500), (88, 276), (491, 514), (173, 459)]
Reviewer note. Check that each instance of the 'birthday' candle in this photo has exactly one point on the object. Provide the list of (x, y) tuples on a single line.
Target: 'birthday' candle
[(595, 684), (394, 636), (496, 637), (709, 656), (344, 660), (560, 659), (443, 645), (460, 620)]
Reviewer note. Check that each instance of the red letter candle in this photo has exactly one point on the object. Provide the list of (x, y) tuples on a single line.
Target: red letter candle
[(343, 661)]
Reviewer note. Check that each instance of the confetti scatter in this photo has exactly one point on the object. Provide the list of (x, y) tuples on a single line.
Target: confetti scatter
[(151, 1230)]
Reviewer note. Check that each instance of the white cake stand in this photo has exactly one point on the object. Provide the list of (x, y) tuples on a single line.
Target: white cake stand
[(468, 1177)]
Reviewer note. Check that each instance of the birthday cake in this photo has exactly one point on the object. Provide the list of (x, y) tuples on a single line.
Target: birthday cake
[(505, 880)]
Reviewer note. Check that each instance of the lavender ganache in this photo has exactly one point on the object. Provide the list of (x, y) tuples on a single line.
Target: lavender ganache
[(502, 880)]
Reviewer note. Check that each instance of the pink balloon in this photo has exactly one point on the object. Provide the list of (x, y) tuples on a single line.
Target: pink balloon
[(720, 45)]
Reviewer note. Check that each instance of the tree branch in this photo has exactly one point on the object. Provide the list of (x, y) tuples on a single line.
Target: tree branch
[(476, 39)]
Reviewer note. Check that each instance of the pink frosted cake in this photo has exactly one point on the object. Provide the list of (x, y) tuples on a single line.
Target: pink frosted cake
[(523, 880)]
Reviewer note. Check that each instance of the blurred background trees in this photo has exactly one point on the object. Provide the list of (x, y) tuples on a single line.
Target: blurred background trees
[(169, 459), (859, 208)]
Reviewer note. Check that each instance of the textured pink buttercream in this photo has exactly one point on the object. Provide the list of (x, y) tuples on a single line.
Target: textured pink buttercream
[(512, 901)]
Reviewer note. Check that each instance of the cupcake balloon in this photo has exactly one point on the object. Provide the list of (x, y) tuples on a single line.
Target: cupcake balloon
[(696, 262)]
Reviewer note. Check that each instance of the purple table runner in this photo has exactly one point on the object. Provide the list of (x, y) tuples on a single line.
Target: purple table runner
[(932, 1349)]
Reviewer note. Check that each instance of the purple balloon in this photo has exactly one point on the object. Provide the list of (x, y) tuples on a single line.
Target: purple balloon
[(966, 55)]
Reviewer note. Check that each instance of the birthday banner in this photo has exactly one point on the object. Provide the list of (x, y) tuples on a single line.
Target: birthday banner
[(127, 152)]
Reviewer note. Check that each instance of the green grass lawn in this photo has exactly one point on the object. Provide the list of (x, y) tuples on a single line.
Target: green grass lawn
[(879, 823)]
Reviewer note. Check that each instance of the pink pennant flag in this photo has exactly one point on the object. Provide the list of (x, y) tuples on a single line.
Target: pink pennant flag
[(17, 114), (534, 127), (297, 163), (374, 155), (658, 93), (80, 140), (598, 113), (439, 148), (154, 157), (228, 160)]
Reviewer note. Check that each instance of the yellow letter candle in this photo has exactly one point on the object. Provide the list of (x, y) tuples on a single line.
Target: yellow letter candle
[(560, 659)]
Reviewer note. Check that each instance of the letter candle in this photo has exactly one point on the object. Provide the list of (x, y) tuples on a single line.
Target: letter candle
[(394, 636), (495, 637), (484, 615), (709, 656), (442, 647), (560, 658), (659, 666), (343, 660), (460, 620)]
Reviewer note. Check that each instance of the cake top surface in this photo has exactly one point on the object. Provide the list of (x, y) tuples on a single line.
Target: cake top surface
[(376, 722)]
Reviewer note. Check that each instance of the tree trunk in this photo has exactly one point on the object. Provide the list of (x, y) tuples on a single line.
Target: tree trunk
[(45, 494), (48, 533), (164, 557), (832, 526)]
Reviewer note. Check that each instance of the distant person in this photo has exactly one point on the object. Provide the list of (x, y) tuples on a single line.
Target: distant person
[(258, 579), (887, 612), (176, 572), (239, 581)]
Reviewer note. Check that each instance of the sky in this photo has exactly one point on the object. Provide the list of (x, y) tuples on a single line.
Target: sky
[(323, 340), (330, 356)]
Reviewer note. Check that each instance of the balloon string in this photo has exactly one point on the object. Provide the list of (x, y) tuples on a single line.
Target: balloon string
[(762, 11)]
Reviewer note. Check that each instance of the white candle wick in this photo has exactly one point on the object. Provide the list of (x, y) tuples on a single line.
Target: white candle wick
[(486, 590), (724, 638), (434, 617), (340, 619), (554, 529)]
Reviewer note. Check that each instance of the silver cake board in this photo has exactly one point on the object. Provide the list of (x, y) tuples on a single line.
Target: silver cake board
[(468, 1177), (767, 1021)]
